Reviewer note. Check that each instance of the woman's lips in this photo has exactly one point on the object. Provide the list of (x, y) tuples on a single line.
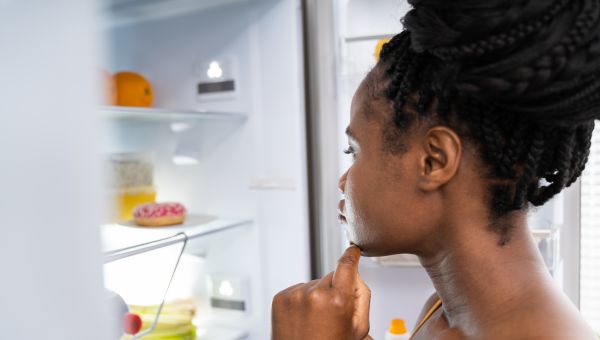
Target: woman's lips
[(341, 216)]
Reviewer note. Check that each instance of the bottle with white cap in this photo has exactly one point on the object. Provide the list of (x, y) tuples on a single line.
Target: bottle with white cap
[(397, 331)]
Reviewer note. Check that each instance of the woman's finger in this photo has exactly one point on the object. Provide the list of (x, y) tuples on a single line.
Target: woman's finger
[(345, 275), (325, 282), (362, 303)]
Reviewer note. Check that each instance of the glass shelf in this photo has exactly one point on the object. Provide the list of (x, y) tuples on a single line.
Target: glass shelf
[(545, 239), (121, 12), (155, 115), (361, 38), (126, 239)]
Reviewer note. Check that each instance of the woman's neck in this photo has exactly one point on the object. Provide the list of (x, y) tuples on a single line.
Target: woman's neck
[(481, 282)]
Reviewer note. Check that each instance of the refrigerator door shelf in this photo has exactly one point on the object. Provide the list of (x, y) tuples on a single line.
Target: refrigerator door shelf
[(359, 38), (123, 12), (545, 239), (117, 237), (168, 116), (399, 260)]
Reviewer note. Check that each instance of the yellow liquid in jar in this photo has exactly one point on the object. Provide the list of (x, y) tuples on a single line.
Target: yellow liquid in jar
[(128, 200)]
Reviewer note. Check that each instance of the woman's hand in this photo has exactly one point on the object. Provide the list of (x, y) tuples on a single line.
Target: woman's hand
[(335, 307)]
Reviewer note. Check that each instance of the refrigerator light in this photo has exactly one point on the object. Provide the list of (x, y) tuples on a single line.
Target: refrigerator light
[(180, 127), (217, 79), (214, 70), (228, 292), (226, 289), (185, 160)]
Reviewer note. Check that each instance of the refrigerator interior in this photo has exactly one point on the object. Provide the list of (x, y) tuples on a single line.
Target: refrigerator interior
[(400, 286), (238, 164)]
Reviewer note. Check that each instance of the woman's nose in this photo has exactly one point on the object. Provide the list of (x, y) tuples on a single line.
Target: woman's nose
[(342, 181)]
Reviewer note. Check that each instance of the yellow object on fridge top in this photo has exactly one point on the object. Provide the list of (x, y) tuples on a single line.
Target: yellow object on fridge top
[(379, 46)]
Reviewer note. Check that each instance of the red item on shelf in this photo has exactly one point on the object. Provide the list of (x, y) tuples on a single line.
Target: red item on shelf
[(132, 323)]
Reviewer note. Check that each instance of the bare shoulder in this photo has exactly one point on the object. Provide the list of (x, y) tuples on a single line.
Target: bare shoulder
[(542, 319), (554, 330), (577, 335), (559, 319), (549, 319)]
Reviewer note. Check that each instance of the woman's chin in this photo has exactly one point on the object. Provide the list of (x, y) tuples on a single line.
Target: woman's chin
[(374, 250), (371, 253), (368, 250)]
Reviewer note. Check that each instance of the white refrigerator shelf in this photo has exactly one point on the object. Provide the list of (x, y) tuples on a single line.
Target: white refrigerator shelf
[(125, 239), (123, 12), (159, 115)]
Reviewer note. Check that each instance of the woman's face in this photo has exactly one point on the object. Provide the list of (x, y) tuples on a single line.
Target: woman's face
[(384, 211)]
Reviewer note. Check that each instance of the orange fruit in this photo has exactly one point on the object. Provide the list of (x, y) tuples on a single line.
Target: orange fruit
[(109, 88), (133, 90)]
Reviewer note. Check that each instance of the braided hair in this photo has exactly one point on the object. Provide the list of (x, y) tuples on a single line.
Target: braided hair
[(523, 76)]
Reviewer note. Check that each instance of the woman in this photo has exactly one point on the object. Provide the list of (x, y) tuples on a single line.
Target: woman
[(476, 111)]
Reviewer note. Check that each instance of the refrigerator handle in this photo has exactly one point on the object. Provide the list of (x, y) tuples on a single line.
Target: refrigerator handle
[(320, 48)]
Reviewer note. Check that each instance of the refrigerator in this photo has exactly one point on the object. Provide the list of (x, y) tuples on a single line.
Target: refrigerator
[(250, 100)]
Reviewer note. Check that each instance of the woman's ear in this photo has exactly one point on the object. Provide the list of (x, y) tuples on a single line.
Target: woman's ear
[(439, 158)]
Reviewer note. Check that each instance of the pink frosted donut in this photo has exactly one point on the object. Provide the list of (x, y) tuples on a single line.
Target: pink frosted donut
[(159, 214)]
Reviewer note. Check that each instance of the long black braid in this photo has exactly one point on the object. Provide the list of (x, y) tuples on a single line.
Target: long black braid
[(522, 76)]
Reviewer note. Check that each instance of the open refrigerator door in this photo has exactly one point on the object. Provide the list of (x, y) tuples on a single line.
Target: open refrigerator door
[(51, 283)]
